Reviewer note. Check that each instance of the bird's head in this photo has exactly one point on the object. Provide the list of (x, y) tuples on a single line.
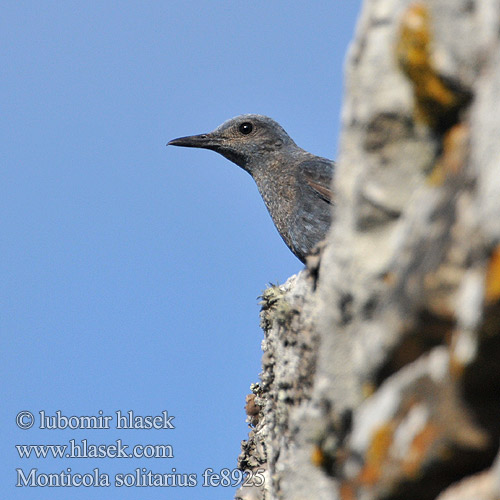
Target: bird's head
[(247, 140)]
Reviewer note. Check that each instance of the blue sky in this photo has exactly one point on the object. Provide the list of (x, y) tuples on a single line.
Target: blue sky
[(130, 271)]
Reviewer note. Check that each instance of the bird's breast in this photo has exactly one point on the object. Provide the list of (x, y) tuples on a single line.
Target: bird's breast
[(279, 193)]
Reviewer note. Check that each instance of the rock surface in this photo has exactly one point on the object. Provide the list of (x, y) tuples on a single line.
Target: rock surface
[(381, 366)]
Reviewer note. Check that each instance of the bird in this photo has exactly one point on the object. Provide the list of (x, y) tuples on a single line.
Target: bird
[(294, 184)]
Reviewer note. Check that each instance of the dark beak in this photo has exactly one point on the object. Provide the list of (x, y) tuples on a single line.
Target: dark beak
[(207, 141)]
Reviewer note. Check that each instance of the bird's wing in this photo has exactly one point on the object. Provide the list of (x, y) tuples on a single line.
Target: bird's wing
[(317, 173)]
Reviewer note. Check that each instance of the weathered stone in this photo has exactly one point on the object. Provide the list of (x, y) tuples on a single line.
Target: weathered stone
[(381, 372)]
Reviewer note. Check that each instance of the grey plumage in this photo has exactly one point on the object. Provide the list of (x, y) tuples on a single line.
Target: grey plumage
[(294, 184)]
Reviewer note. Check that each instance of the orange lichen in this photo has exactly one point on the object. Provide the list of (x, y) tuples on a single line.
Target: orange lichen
[(456, 145), (368, 389), (418, 451), (453, 158), (376, 454), (347, 492), (457, 367), (317, 456), (389, 278), (492, 291), (434, 98)]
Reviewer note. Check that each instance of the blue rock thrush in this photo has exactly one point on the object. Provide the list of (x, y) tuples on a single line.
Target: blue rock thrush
[(294, 184)]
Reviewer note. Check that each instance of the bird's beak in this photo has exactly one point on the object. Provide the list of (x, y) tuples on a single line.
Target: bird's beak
[(207, 141)]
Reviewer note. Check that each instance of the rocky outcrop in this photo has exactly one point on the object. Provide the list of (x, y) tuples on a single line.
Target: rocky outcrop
[(381, 366)]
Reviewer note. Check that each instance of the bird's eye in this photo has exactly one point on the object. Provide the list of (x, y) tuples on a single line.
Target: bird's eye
[(245, 128)]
